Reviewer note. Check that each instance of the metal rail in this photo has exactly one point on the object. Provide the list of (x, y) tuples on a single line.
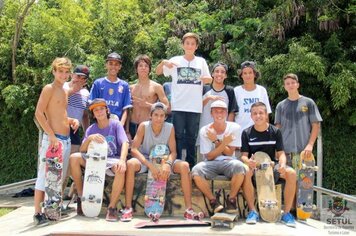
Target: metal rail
[(334, 193), (17, 184), (319, 162)]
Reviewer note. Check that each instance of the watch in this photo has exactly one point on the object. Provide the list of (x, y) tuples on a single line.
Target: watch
[(215, 141)]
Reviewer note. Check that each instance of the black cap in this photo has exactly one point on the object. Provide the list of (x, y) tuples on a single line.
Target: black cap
[(114, 57), (250, 64), (82, 70)]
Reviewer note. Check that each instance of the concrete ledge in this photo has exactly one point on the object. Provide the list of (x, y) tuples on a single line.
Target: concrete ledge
[(174, 205)]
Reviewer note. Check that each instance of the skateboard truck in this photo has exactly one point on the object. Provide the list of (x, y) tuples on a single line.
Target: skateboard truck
[(268, 203), (264, 165)]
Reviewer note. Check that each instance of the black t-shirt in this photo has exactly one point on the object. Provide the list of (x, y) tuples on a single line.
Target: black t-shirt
[(269, 141)]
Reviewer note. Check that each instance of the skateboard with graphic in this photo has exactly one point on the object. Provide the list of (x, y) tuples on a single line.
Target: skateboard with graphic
[(305, 167), (266, 193), (156, 189), (53, 182), (224, 220), (94, 178)]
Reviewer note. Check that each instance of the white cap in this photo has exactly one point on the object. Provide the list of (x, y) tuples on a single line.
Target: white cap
[(219, 103)]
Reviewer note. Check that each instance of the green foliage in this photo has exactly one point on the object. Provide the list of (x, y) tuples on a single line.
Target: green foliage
[(313, 38)]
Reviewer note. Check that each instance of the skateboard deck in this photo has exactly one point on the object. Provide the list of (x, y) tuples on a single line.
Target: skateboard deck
[(53, 183), (156, 189), (224, 219), (266, 193), (94, 178), (171, 223), (305, 173)]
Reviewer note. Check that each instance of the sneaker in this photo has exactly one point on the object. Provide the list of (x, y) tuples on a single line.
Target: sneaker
[(288, 219), (252, 217), (111, 214), (231, 205), (189, 214), (126, 215), (40, 219), (79, 207), (216, 206)]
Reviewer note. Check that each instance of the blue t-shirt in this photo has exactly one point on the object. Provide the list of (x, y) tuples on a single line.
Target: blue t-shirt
[(117, 94)]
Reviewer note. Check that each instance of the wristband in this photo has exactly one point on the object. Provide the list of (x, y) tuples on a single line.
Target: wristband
[(169, 162), (215, 141)]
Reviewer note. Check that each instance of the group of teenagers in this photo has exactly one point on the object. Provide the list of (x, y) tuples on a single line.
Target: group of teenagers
[(226, 125)]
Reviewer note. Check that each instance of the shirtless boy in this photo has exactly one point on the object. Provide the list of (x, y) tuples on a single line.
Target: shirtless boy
[(51, 114), (144, 93)]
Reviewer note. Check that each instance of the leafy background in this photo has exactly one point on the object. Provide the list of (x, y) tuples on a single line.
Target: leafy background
[(315, 39)]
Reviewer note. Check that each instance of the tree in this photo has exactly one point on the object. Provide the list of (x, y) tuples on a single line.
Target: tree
[(23, 10)]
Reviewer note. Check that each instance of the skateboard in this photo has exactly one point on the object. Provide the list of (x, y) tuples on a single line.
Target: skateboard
[(305, 168), (170, 223), (53, 182), (224, 219), (94, 178), (266, 193), (156, 189)]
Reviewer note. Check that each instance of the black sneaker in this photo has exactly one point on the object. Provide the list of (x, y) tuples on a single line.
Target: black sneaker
[(40, 219), (79, 207), (216, 206), (231, 205)]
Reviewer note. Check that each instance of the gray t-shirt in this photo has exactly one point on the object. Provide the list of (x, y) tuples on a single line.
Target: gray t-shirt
[(296, 118), (151, 139)]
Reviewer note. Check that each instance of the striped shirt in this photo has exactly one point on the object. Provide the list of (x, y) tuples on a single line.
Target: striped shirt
[(77, 103)]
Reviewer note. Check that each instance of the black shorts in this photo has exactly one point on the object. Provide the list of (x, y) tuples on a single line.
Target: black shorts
[(74, 137)]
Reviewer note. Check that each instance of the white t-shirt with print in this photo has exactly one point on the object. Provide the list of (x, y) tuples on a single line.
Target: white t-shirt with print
[(187, 88), (245, 99)]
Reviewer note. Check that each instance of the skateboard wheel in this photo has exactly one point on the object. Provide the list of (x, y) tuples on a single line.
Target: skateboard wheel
[(213, 224), (231, 225), (146, 198), (102, 158), (200, 215), (156, 217), (314, 207), (316, 168), (83, 199), (43, 159), (86, 156), (98, 200), (161, 199)]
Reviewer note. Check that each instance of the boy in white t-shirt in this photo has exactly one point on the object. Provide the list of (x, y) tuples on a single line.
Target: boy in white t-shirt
[(189, 73), (249, 93)]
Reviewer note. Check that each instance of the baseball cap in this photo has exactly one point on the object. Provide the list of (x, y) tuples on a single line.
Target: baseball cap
[(218, 103), (248, 64), (114, 57), (96, 103), (158, 105), (220, 64), (82, 70)]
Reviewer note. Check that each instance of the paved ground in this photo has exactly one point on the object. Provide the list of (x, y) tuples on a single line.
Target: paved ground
[(19, 222)]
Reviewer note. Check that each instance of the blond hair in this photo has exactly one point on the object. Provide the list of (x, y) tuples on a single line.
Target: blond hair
[(61, 62)]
